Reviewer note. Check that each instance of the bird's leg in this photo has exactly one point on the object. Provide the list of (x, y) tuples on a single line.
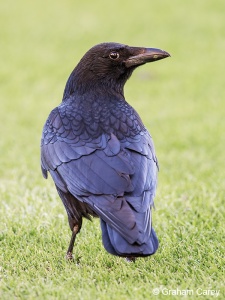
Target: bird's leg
[(69, 254)]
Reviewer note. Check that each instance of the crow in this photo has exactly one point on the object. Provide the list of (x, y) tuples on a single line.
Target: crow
[(100, 155)]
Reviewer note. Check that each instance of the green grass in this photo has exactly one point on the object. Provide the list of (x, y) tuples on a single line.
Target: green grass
[(182, 102)]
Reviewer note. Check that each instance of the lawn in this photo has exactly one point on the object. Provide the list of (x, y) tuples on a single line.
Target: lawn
[(181, 101)]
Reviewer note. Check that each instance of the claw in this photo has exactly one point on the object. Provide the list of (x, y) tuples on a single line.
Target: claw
[(69, 256)]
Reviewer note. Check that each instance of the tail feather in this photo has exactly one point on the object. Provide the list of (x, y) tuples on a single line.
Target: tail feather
[(115, 244)]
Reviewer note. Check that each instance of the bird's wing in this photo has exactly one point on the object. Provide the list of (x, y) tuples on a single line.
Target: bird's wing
[(117, 179)]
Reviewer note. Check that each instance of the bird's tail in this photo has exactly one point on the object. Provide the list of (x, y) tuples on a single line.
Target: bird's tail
[(115, 244)]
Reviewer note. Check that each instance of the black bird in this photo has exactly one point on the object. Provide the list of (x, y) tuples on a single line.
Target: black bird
[(100, 155)]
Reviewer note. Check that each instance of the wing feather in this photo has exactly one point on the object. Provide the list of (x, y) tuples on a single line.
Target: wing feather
[(116, 177)]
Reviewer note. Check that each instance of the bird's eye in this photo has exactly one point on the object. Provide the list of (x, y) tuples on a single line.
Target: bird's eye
[(114, 55)]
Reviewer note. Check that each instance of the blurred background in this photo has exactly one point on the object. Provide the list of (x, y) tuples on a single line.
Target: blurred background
[(181, 100)]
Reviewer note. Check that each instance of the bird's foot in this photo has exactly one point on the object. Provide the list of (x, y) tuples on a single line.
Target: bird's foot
[(69, 256), (130, 259)]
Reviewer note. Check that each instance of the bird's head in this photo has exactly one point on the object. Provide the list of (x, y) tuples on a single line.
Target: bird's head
[(109, 65)]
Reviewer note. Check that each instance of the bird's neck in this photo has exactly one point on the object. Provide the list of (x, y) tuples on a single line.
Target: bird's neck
[(81, 84)]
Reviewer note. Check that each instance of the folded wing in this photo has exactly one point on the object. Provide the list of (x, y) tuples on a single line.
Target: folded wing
[(116, 178)]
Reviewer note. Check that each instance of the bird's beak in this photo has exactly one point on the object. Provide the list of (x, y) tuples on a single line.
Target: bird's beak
[(145, 55)]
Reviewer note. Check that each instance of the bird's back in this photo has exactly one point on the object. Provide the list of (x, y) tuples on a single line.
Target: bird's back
[(100, 152)]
